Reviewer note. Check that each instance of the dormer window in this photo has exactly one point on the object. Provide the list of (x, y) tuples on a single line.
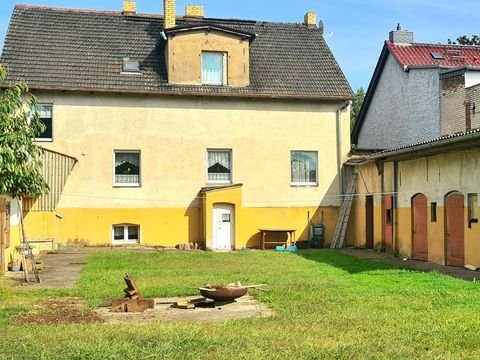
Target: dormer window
[(213, 68)]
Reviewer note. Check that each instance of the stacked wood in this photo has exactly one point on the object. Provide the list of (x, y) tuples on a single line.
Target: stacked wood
[(131, 291)]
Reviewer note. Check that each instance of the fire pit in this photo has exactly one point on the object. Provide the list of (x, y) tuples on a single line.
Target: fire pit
[(223, 293)]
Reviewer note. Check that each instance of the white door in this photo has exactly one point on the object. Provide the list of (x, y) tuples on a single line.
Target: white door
[(223, 227)]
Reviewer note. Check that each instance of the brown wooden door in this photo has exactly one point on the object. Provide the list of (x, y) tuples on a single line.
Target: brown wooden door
[(454, 230), (3, 233), (388, 223), (419, 227), (369, 221)]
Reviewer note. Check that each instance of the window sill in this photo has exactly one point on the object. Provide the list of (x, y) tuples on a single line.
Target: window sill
[(304, 184), (219, 182), (213, 84), (127, 185), (43, 140)]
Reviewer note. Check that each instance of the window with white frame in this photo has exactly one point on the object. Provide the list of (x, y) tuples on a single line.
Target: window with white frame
[(304, 165), (213, 68), (219, 166), (45, 116), (126, 234), (127, 168)]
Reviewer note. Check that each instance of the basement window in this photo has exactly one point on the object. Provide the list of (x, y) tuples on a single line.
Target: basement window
[(472, 209), (433, 212), (126, 234)]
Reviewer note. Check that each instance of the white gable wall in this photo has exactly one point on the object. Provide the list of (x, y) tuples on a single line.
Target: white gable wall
[(405, 108)]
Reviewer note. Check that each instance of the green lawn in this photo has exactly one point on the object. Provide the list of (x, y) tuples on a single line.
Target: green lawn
[(328, 306)]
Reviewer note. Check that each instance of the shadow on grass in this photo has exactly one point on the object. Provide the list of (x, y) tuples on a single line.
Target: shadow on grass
[(348, 263)]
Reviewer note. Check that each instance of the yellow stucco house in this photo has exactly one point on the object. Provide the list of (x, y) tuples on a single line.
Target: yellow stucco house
[(174, 129)]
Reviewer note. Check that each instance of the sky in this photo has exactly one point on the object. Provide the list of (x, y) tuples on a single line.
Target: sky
[(355, 30)]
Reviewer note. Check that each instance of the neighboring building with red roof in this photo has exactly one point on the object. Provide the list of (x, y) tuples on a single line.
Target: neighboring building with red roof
[(403, 102)]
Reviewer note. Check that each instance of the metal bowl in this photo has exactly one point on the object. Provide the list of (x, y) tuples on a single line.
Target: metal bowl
[(224, 294)]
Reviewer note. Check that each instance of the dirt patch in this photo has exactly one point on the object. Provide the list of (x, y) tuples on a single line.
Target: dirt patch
[(59, 311), (244, 307)]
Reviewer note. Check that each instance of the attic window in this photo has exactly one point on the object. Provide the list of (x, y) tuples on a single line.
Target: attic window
[(130, 66), (437, 56)]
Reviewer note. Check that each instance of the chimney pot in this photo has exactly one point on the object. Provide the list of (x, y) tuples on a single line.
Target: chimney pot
[(129, 7), (194, 11), (310, 19), (168, 14)]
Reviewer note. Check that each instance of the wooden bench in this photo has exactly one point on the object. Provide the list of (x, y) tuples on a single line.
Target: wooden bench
[(290, 237)]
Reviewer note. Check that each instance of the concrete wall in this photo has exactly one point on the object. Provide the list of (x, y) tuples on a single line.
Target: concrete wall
[(405, 108), (173, 135), (184, 57)]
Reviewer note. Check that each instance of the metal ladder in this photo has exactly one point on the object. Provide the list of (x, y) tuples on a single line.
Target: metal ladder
[(341, 229)]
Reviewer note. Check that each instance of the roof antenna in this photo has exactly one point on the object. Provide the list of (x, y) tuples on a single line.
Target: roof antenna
[(399, 27)]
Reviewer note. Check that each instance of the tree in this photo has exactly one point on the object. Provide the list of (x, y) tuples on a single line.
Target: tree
[(356, 106), (20, 157), (466, 40)]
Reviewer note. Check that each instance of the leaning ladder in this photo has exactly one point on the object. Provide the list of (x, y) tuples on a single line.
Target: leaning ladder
[(341, 229)]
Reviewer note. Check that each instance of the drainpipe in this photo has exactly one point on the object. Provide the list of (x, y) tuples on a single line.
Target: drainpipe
[(339, 146)]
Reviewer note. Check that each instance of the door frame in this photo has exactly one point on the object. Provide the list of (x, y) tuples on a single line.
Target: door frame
[(387, 227), (231, 208), (414, 221), (452, 193)]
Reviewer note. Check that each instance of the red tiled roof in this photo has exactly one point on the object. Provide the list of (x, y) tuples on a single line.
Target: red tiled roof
[(417, 54)]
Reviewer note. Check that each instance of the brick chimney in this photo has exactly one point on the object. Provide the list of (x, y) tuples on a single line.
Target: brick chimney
[(400, 36), (310, 19), (129, 7), (194, 11), (168, 14)]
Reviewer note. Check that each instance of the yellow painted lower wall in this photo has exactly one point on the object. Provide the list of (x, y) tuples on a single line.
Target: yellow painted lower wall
[(171, 226), (436, 237)]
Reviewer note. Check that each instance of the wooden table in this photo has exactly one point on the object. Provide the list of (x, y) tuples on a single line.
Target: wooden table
[(263, 237)]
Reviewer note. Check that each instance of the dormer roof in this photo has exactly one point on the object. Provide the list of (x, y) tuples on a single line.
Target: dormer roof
[(83, 50), (209, 27)]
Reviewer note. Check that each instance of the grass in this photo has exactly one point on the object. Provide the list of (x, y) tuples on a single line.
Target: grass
[(328, 306)]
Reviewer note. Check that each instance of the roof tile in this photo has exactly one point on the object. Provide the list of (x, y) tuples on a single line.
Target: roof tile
[(83, 49)]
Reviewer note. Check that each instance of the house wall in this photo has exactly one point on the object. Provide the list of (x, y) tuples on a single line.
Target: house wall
[(452, 104), (435, 177), (405, 108), (8, 251), (459, 105), (473, 101), (369, 183), (184, 57), (173, 135)]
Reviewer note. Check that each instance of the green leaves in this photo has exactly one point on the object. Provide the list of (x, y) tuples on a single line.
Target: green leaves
[(20, 157)]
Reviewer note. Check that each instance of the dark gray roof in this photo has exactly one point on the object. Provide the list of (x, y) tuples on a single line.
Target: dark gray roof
[(73, 49)]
